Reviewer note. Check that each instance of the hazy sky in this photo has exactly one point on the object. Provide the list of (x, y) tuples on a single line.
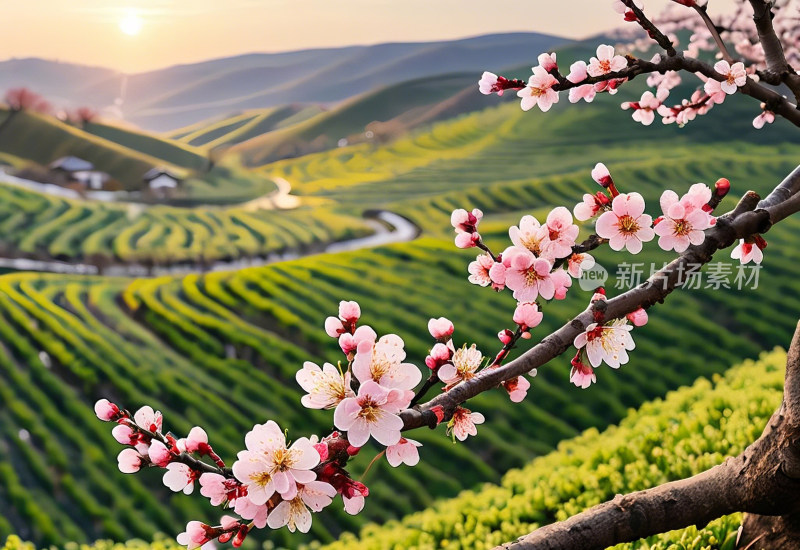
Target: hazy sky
[(167, 32)]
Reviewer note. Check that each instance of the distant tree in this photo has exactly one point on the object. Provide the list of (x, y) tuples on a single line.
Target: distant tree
[(24, 99), (82, 116), (376, 395)]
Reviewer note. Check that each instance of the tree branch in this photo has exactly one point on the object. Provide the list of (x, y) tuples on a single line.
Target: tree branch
[(773, 49), (748, 218), (760, 480)]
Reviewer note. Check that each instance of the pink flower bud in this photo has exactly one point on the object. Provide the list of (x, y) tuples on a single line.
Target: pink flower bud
[(334, 327), (601, 175), (467, 240), (505, 336), (722, 187), (197, 440), (106, 410), (159, 454), (441, 329), (349, 312), (527, 315), (124, 434), (577, 72), (196, 535), (548, 62), (638, 318), (347, 343), (439, 355), (129, 461)]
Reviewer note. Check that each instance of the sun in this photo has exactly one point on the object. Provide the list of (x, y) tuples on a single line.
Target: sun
[(130, 24)]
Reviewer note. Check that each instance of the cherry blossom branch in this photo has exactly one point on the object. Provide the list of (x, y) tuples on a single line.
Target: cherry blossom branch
[(652, 31), (749, 217), (763, 480)]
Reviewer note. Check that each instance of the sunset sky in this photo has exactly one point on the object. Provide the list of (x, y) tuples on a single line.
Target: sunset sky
[(138, 35)]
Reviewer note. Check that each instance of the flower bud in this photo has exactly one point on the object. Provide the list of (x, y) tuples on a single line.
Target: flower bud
[(106, 410), (441, 329)]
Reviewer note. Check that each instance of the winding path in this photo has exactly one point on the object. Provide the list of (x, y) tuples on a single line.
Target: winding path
[(389, 228)]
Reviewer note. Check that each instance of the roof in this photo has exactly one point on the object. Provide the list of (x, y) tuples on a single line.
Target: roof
[(72, 164), (153, 173)]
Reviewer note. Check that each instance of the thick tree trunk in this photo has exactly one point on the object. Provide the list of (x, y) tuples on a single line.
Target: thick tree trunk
[(763, 481)]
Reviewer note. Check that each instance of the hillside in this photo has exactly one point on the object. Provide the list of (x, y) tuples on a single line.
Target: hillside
[(703, 423), (687, 432), (220, 350), (177, 96)]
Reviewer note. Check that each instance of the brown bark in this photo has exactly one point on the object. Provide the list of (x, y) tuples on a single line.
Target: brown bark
[(763, 481)]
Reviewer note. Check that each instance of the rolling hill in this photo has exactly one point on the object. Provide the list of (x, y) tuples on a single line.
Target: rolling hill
[(221, 350), (177, 96), (704, 423)]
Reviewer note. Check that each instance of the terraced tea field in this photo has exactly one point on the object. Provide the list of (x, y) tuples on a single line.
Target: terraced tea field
[(687, 432), (221, 350), (43, 226)]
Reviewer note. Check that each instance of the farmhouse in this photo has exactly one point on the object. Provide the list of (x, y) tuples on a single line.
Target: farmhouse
[(161, 182), (70, 170)]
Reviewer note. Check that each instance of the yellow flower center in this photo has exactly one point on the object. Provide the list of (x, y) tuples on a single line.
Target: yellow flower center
[(628, 225)]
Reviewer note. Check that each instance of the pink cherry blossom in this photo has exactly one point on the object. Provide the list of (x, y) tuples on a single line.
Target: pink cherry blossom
[(488, 84), (441, 329), (766, 117), (581, 374), (372, 413), (626, 225), (609, 342), (529, 234), (528, 276), (644, 110), (561, 282), (638, 318), (197, 440), (585, 92), (466, 226), (349, 312), (179, 477), (548, 61), (439, 355), (606, 61), (561, 233), (714, 90), (601, 175), (268, 466), (678, 229), (404, 452), (159, 454), (527, 315), (463, 366), (578, 262), (577, 72), (148, 419), (735, 75), (479, 270), (497, 274), (106, 410), (382, 362), (257, 513), (463, 423), (539, 91), (747, 252), (195, 536), (517, 388), (129, 461), (349, 342), (334, 327), (218, 489), (591, 205), (124, 434), (294, 513), (326, 386)]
